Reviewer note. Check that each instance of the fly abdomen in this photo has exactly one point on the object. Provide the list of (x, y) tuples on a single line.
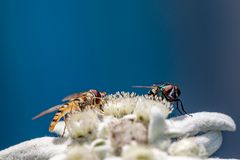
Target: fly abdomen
[(61, 112)]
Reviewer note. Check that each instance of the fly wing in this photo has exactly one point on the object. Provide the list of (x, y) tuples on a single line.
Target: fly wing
[(52, 109), (161, 83), (73, 96), (143, 87)]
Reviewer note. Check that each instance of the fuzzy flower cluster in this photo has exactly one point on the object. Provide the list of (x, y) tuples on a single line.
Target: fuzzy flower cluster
[(132, 128)]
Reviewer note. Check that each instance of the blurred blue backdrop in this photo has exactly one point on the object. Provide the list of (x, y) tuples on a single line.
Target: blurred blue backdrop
[(52, 48)]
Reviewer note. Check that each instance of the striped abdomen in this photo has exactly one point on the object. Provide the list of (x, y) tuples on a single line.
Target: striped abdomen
[(62, 111)]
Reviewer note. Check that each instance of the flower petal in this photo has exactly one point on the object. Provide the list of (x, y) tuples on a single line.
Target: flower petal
[(198, 122), (199, 146), (38, 149)]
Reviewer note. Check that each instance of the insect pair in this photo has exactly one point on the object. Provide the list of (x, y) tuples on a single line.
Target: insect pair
[(94, 99), (91, 99), (167, 91)]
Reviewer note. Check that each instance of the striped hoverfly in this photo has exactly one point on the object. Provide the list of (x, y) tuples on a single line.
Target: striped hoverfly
[(92, 99)]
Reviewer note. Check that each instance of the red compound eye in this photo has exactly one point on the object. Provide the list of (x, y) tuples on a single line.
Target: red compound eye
[(96, 93)]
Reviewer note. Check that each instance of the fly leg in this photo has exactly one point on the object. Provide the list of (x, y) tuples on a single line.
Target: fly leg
[(65, 120), (65, 125), (183, 108), (179, 109)]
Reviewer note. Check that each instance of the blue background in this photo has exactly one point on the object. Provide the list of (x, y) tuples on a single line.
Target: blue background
[(52, 48)]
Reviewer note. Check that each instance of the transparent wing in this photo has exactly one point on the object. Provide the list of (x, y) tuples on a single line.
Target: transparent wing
[(73, 96), (52, 109), (161, 83), (143, 87)]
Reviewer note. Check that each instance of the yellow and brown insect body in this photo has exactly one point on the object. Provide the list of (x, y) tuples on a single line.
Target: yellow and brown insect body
[(69, 107), (76, 102), (98, 100), (61, 113), (91, 99)]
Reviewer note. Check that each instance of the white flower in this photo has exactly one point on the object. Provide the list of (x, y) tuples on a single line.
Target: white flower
[(120, 104), (81, 153), (103, 127), (102, 148), (125, 131), (132, 128), (83, 125), (138, 152), (144, 106)]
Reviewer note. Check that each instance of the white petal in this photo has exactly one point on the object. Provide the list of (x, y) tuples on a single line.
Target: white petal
[(198, 122), (59, 129), (194, 158), (101, 148), (38, 149), (221, 159), (124, 131), (157, 128), (81, 153), (83, 125), (212, 141), (113, 158), (59, 157), (200, 146)]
